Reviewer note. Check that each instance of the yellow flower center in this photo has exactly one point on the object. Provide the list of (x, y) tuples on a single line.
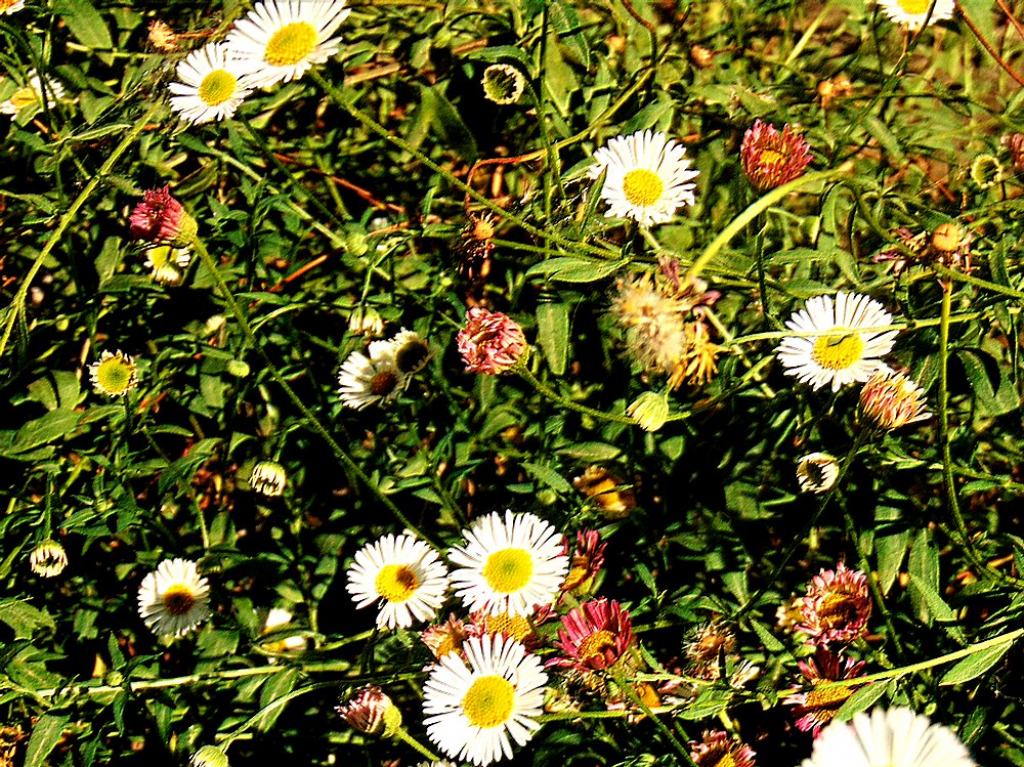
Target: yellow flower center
[(594, 645), (726, 761), (290, 44), (217, 87), (830, 698), (838, 352), (837, 610), (914, 6), (515, 626), (489, 701), (179, 599), (396, 583), (508, 570), (642, 187), (115, 376), (771, 157)]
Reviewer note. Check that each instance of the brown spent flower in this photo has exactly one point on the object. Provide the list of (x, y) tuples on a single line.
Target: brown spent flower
[(770, 158), (838, 87), (162, 37), (710, 642), (490, 342), (606, 492)]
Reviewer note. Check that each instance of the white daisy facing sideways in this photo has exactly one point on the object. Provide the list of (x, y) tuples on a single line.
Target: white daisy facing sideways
[(913, 14), (174, 598), (894, 738), (401, 574), (284, 38), (474, 708), (31, 94), (211, 85), (836, 346), (509, 564), (371, 380), (648, 177), (11, 6)]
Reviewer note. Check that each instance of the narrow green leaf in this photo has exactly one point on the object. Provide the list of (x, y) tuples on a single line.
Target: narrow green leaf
[(975, 665), (553, 334), (45, 736), (861, 700)]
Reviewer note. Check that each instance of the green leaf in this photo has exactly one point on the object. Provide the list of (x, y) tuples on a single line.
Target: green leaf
[(975, 665), (937, 609), (924, 568), (446, 121), (569, 269), (771, 644), (992, 386), (548, 476), (45, 736), (23, 618), (278, 687), (553, 334), (861, 700), (87, 26)]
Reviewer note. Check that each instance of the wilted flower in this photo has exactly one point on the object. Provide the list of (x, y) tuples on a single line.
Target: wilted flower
[(490, 342), (717, 749), (817, 472), (268, 478), (709, 644), (48, 559), (162, 37), (986, 171), (10, 737), (209, 756), (449, 636), (701, 57), (699, 361), (113, 374), (891, 400), (1015, 144), (161, 218), (411, 352), (837, 606), (835, 88), (948, 238), (649, 411), (586, 562), (593, 636), (653, 320), (503, 83), (816, 707), (370, 711), (517, 627), (474, 247), (606, 492), (771, 159)]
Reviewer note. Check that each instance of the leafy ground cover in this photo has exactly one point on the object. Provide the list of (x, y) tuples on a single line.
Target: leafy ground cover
[(552, 382)]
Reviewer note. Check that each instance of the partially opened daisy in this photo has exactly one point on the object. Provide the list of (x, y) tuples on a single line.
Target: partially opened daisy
[(648, 177), (913, 14), (401, 574), (894, 738), (174, 598), (210, 84), (509, 564), (284, 38), (474, 708), (837, 346)]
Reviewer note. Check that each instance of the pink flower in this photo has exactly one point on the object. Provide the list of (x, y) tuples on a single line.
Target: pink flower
[(443, 638), (837, 606), (371, 711), (891, 400), (161, 218), (491, 342), (816, 707), (586, 561), (717, 748), (593, 636), (770, 158)]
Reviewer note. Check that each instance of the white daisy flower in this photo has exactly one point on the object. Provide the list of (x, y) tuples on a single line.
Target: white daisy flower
[(838, 353), (509, 565), (401, 574), (11, 6), (212, 84), (649, 177), (471, 709), (913, 14), (894, 738), (371, 380), (284, 38), (174, 599), (31, 94), (817, 472)]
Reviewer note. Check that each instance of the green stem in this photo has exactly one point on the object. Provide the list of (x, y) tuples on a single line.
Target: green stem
[(525, 373), (872, 578), (627, 687), (17, 305), (403, 735), (760, 205), (307, 415)]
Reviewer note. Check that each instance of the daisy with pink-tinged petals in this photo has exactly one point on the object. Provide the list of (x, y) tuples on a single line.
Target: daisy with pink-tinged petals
[(891, 400), (594, 636), (817, 707), (491, 342), (586, 561), (771, 159), (443, 638), (837, 606), (161, 218), (717, 749)]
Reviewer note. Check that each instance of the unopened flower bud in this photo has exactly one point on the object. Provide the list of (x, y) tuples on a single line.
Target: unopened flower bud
[(48, 559), (371, 711), (649, 411), (268, 478)]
